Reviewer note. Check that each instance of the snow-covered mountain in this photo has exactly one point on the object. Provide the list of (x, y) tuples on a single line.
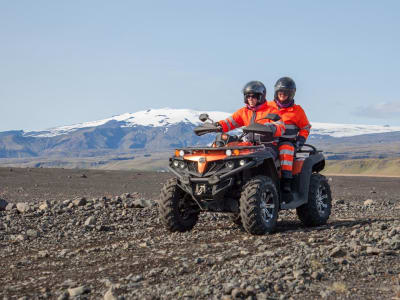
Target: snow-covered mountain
[(165, 129), (167, 117)]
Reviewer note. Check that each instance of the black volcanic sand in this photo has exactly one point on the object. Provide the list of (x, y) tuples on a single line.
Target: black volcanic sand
[(110, 247), (37, 184)]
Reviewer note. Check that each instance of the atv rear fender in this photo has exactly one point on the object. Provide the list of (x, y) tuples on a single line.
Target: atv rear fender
[(313, 163)]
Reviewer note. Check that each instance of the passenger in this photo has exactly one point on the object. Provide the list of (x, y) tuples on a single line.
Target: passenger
[(255, 110), (297, 127)]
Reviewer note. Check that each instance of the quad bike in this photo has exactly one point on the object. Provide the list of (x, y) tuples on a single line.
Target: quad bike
[(242, 178)]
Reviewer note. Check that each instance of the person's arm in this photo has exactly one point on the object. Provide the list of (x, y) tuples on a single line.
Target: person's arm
[(279, 128), (304, 126), (232, 122)]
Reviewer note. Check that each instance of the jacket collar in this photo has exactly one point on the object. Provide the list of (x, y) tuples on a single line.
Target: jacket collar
[(258, 107)]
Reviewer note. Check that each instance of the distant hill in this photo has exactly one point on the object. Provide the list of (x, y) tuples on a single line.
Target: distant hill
[(375, 167)]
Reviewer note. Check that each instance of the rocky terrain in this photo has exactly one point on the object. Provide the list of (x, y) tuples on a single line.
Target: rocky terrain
[(96, 234)]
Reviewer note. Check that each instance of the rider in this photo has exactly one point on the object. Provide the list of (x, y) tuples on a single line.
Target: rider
[(255, 111), (296, 123)]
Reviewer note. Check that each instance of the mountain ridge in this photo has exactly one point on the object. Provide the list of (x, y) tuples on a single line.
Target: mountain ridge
[(163, 129), (166, 117)]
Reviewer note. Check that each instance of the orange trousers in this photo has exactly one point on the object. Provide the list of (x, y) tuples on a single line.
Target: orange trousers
[(286, 156)]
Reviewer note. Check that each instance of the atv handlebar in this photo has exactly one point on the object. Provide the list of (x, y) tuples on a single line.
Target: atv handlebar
[(206, 128)]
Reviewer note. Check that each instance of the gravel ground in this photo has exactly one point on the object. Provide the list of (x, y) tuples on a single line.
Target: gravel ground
[(98, 236)]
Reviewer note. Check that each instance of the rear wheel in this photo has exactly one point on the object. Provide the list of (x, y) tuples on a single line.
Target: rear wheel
[(318, 208), (259, 205), (176, 208)]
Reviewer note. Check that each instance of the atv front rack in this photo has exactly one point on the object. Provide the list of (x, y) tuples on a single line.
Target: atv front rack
[(213, 179), (191, 149)]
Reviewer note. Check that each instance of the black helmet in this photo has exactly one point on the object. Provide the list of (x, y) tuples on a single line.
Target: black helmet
[(255, 87), (286, 84)]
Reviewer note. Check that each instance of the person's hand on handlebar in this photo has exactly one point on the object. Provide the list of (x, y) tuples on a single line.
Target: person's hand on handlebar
[(299, 144), (219, 127)]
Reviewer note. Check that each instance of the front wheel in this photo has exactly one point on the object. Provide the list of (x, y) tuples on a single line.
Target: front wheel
[(259, 205), (176, 208), (318, 208)]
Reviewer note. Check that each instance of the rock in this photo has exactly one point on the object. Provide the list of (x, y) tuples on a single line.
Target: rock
[(32, 233), (90, 221), (339, 201), (137, 278), (23, 207), (316, 275), (228, 287), (141, 203), (110, 294), (298, 274), (125, 196), (373, 251), (83, 176), (368, 202), (3, 204), (238, 293), (63, 253), (63, 296), (198, 260), (337, 252), (278, 288), (79, 201), (20, 237), (43, 254), (10, 206), (44, 205), (73, 292)]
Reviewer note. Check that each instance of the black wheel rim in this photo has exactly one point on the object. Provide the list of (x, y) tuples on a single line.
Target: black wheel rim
[(267, 207), (321, 200)]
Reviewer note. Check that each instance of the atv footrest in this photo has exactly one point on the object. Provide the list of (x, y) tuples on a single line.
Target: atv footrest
[(294, 203)]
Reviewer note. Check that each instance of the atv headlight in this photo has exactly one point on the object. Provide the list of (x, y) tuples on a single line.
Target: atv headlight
[(228, 152), (230, 164), (182, 153), (182, 165), (242, 162), (175, 163)]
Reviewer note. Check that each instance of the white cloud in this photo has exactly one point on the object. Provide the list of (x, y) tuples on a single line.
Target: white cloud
[(382, 110)]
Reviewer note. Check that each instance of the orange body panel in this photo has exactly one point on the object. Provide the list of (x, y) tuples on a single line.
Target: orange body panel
[(201, 166), (297, 166), (203, 157)]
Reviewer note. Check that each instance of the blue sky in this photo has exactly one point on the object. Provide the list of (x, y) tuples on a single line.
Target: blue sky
[(64, 62)]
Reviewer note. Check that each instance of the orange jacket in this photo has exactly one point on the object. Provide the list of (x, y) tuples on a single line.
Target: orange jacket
[(245, 116), (295, 119)]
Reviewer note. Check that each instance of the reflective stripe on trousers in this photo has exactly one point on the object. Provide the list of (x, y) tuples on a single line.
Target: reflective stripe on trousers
[(286, 156)]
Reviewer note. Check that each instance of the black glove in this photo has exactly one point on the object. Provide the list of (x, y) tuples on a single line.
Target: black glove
[(299, 143), (219, 127)]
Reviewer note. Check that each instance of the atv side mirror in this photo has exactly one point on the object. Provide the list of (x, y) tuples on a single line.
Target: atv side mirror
[(203, 117), (273, 117)]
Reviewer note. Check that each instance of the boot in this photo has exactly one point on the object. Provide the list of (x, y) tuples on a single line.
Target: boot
[(287, 195), (287, 186)]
